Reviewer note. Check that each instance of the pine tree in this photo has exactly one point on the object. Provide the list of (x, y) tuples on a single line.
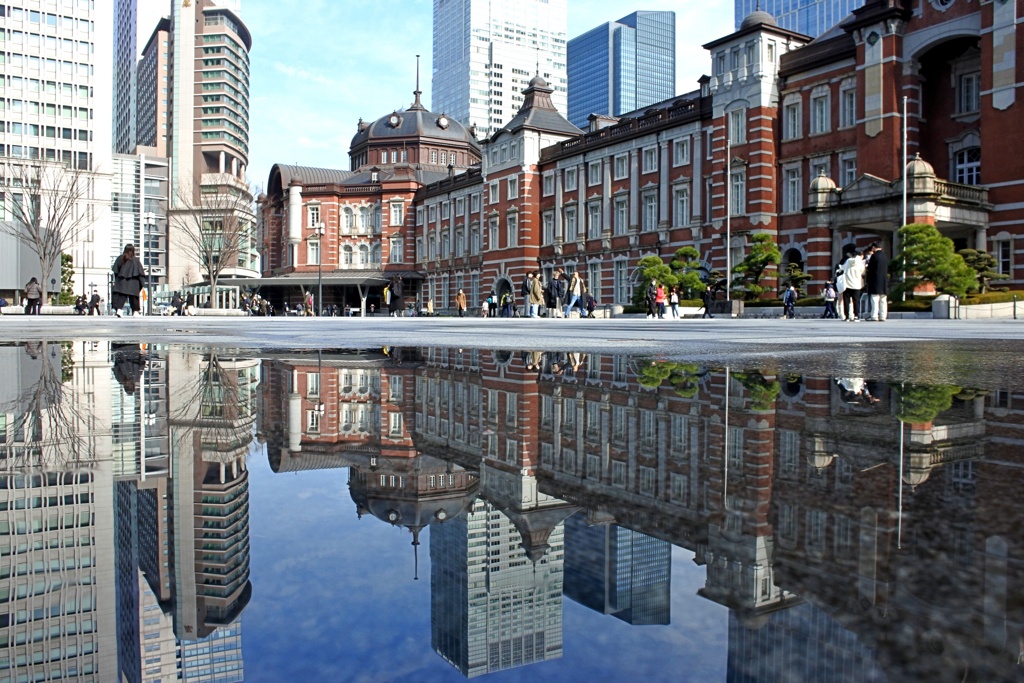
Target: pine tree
[(928, 256)]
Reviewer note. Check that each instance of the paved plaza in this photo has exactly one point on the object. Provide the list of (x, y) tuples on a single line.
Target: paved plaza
[(617, 335)]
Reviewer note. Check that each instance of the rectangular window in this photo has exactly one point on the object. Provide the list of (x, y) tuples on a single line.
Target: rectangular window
[(682, 205), (549, 184), (397, 213), (314, 253), (967, 166), (594, 220), (474, 203), (738, 126), (446, 209), (820, 122), (849, 170), (548, 227), (621, 281), (681, 152), (512, 230), (791, 121), (621, 166), (820, 167), (493, 192), (570, 179), (650, 159), (650, 212), (314, 215), (793, 195), (397, 249), (1004, 256), (492, 237), (570, 223), (594, 173), (739, 193), (847, 108), (621, 219), (460, 206), (513, 188), (969, 93)]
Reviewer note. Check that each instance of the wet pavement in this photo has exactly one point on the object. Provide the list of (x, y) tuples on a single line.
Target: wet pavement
[(436, 500)]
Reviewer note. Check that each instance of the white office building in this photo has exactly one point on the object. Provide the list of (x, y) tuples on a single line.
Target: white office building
[(486, 52), (57, 105)]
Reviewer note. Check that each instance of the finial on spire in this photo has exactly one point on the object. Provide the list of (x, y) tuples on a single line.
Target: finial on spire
[(416, 103)]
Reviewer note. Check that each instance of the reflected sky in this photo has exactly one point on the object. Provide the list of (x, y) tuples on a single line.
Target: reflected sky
[(435, 514)]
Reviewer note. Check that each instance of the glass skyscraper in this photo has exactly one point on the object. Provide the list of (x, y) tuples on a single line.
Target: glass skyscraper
[(622, 66), (810, 17), (486, 52)]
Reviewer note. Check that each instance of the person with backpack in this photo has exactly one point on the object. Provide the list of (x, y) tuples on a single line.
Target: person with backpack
[(789, 302)]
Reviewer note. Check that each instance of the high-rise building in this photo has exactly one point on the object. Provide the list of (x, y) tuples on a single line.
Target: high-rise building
[(152, 102), (810, 17), (134, 22), (58, 74), (621, 66), (208, 141), (486, 52)]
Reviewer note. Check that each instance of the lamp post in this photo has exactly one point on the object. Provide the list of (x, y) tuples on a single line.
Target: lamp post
[(319, 230), (148, 221)]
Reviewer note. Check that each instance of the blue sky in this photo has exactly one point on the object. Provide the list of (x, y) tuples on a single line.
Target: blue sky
[(320, 65)]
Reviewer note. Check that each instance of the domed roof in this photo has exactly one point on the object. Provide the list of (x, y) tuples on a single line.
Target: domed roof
[(920, 167), (414, 122), (822, 183), (538, 81), (756, 18), (819, 460)]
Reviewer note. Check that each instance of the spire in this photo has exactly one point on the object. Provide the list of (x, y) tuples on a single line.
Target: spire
[(416, 554), (417, 92)]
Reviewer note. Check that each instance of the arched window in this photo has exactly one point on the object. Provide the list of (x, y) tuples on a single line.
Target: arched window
[(346, 252), (349, 222), (364, 255), (375, 254), (967, 166), (364, 218)]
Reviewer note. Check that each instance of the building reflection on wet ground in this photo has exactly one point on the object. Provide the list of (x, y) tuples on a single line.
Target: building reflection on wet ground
[(849, 528)]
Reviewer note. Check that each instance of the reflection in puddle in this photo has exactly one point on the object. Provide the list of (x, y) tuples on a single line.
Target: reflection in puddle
[(853, 528)]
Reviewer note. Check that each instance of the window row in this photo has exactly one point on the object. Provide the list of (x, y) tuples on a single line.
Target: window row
[(619, 166)]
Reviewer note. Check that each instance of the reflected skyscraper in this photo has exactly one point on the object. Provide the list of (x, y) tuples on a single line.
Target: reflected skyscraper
[(491, 607), (810, 17), (617, 571)]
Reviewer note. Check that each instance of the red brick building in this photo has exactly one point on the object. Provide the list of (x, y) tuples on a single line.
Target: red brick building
[(802, 139)]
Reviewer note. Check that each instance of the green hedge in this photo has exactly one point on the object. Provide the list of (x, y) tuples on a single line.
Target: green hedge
[(992, 298)]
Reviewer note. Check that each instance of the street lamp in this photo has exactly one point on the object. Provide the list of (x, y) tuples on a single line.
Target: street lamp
[(148, 221), (319, 229)]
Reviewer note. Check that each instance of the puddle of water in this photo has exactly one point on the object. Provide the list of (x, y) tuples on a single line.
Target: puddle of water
[(436, 514)]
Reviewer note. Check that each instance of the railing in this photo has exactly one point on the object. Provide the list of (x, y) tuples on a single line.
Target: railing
[(962, 193)]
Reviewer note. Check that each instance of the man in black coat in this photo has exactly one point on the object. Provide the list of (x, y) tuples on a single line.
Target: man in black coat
[(877, 281)]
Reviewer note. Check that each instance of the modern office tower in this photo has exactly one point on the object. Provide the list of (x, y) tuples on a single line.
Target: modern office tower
[(622, 66), (617, 571), (58, 74), (153, 90), (810, 17), (492, 608), (138, 215), (134, 21), (208, 134), (486, 52)]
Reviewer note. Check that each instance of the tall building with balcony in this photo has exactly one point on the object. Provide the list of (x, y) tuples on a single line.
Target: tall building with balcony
[(486, 52), (58, 97), (208, 140), (621, 66)]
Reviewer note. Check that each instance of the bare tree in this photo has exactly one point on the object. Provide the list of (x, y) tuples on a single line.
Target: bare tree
[(47, 208), (214, 224)]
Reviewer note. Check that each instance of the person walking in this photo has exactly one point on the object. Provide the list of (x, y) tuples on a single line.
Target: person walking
[(460, 303), (876, 277), (574, 291), (485, 308), (651, 298), (557, 292), (33, 297), (830, 296), (659, 301), (708, 298), (94, 303), (853, 274), (129, 277), (789, 303), (673, 301), (536, 297)]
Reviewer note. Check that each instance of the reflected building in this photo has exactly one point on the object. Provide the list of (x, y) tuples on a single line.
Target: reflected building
[(618, 571), (57, 554), (492, 607)]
